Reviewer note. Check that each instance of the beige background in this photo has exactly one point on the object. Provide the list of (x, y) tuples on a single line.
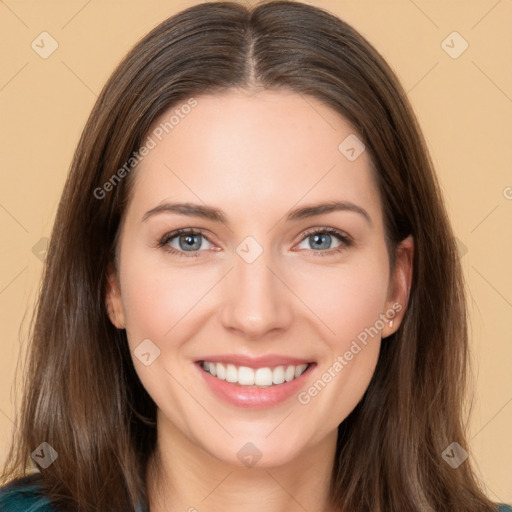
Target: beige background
[(464, 105)]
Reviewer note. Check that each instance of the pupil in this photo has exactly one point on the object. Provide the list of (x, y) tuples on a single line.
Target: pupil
[(318, 238), (189, 240)]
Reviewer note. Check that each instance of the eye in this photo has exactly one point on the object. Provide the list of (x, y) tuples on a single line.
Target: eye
[(321, 240), (188, 241)]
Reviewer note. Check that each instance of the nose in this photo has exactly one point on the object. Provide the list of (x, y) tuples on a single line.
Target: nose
[(257, 300)]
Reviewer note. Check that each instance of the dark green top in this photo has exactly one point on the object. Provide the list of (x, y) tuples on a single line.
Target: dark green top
[(24, 496)]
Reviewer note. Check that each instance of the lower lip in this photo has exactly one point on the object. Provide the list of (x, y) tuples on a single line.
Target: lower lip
[(246, 396)]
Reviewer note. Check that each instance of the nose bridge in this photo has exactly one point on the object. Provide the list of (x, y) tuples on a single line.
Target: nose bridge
[(257, 301)]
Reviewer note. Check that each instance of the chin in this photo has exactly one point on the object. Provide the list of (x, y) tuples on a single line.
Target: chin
[(256, 451)]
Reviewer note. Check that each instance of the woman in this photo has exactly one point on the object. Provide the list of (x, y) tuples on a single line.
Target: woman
[(196, 347)]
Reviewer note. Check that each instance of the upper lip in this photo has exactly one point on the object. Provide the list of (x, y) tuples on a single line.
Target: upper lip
[(270, 360)]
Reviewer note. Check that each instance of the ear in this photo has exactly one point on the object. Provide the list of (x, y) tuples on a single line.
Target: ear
[(113, 300), (399, 287)]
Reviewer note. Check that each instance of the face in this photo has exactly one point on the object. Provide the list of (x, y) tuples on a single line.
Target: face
[(257, 287)]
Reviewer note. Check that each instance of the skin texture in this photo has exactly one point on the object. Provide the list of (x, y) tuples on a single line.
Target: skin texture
[(255, 155)]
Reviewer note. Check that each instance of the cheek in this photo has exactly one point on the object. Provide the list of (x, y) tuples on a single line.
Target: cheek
[(347, 299), (160, 305), (152, 299), (349, 350), (158, 296), (349, 302)]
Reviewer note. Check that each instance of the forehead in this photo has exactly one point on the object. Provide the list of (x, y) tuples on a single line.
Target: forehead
[(252, 153)]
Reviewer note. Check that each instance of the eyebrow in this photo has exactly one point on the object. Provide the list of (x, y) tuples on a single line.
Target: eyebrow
[(217, 215)]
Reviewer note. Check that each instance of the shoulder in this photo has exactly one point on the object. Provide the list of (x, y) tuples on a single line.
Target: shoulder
[(504, 508), (23, 495)]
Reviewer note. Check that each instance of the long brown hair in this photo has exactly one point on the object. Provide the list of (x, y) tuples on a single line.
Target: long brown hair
[(81, 393)]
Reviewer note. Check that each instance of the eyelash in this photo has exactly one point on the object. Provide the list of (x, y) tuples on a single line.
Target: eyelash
[(345, 240)]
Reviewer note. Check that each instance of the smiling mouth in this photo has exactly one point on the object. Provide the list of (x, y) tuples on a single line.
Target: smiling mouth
[(263, 377)]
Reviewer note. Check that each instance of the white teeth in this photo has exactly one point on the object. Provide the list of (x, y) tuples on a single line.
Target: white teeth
[(278, 375), (221, 371), (231, 373), (289, 374), (261, 377), (245, 376), (299, 370)]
